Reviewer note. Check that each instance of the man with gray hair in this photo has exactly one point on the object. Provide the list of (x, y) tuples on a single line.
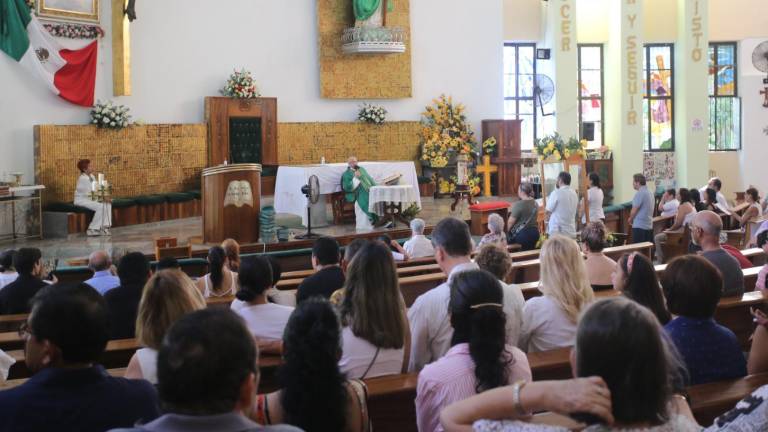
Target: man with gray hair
[(103, 280), (418, 245), (705, 232)]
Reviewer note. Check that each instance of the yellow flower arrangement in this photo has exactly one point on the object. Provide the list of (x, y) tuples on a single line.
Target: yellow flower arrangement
[(445, 132), (554, 145)]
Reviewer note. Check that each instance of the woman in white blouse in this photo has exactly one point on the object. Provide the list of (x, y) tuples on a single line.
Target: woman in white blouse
[(167, 296), (595, 198), (375, 327), (102, 217), (549, 321)]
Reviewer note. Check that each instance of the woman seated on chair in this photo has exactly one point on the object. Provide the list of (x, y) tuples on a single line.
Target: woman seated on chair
[(221, 281), (313, 395), (599, 267), (522, 223), (684, 215)]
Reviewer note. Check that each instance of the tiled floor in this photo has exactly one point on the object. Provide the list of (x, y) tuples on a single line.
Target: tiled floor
[(140, 237)]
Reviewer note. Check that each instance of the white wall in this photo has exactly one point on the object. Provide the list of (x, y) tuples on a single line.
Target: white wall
[(183, 50)]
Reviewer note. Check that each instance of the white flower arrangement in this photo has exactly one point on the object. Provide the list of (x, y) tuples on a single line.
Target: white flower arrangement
[(372, 114), (240, 85), (109, 115)]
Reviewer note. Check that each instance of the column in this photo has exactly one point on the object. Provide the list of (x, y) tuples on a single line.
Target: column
[(561, 36), (691, 93), (624, 95)]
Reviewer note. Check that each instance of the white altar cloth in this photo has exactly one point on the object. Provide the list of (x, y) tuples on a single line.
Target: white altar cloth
[(380, 195), (290, 179)]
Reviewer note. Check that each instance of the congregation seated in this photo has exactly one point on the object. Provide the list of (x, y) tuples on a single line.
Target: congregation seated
[(627, 377), (684, 214), (8, 273), (65, 335), (599, 267), (669, 203), (523, 227), (496, 261), (705, 232), (208, 375), (635, 277), (168, 263), (496, 234), (743, 261), (549, 321), (232, 251), (123, 301), (715, 198), (693, 287), (168, 296), (709, 201), (314, 394), (398, 253), (753, 212), (698, 205), (15, 297), (479, 359), (430, 325), (220, 281), (102, 280), (374, 324), (328, 277), (266, 321), (418, 245)]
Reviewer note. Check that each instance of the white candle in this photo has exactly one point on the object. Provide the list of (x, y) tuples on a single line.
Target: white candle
[(93, 186), (101, 179)]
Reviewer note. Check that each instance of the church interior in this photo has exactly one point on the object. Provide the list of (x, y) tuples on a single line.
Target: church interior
[(629, 133)]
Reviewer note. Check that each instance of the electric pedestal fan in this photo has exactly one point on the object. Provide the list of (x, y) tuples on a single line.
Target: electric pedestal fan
[(543, 91), (311, 190), (760, 61)]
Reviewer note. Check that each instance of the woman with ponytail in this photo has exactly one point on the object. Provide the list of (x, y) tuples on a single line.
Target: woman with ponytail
[(265, 320), (314, 394), (479, 358), (221, 280)]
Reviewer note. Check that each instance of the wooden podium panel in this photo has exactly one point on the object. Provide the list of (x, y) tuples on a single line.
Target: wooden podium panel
[(221, 115), (507, 134), (231, 203)]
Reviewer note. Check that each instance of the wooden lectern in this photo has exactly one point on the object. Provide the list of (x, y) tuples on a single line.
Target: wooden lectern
[(508, 160), (231, 203)]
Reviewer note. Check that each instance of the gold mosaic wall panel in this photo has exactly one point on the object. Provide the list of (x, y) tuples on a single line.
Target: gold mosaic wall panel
[(138, 160), (306, 143), (385, 76)]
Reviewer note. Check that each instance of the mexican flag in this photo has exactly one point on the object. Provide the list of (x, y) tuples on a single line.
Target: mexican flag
[(70, 74)]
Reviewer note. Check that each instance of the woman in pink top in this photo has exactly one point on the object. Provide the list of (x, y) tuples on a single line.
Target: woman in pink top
[(479, 358)]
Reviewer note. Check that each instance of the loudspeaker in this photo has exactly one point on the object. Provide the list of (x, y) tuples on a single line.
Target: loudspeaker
[(543, 54), (588, 131)]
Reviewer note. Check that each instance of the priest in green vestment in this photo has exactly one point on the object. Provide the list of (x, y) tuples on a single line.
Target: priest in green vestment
[(356, 183)]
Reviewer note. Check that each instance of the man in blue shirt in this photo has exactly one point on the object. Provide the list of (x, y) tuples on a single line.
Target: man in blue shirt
[(693, 287), (65, 334), (641, 216), (103, 280)]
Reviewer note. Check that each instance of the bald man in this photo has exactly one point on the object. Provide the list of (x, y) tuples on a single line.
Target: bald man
[(103, 280), (705, 232), (356, 183)]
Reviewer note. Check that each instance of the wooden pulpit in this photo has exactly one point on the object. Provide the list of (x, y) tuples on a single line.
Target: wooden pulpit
[(508, 155), (231, 203)]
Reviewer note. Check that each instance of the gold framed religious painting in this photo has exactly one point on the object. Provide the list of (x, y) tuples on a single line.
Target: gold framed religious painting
[(69, 10)]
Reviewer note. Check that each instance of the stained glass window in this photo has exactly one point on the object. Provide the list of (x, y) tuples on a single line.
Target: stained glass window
[(724, 103), (591, 102), (519, 76), (658, 97)]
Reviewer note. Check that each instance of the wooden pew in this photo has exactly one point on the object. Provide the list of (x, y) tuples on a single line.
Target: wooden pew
[(713, 399), (117, 372)]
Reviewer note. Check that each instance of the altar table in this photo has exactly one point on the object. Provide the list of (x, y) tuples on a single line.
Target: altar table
[(19, 194), (290, 179)]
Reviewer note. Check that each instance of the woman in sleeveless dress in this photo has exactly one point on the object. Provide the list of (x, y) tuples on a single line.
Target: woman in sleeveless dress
[(753, 212), (167, 296), (221, 281)]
